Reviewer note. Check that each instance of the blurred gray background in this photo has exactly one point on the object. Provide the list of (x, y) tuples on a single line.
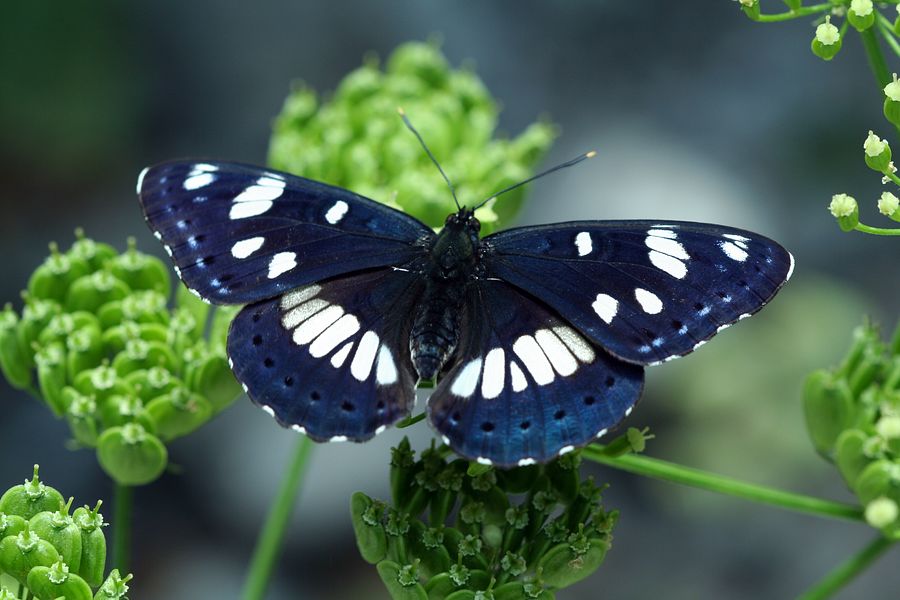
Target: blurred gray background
[(697, 113)]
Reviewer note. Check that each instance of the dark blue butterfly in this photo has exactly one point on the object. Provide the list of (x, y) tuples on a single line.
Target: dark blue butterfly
[(537, 336)]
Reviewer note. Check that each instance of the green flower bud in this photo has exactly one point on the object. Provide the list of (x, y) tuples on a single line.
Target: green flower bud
[(212, 378), (130, 455), (11, 525), (30, 498), (51, 376), (827, 41), (861, 14), (470, 545), (59, 529), (145, 306), (14, 362), (114, 588), (178, 413), (750, 8), (513, 564), (21, 553), (95, 254), (889, 205), (85, 350), (116, 338), (36, 316), (564, 480), (141, 271), (850, 456), (52, 279), (50, 583), (5, 594), (424, 545), (878, 479), (60, 327), (90, 292), (845, 210), (881, 512), (459, 574), (93, 549), (877, 153), (121, 410), (140, 354), (101, 383), (892, 101), (184, 331), (828, 407), (186, 301), (152, 383), (400, 587), (402, 473), (562, 567)]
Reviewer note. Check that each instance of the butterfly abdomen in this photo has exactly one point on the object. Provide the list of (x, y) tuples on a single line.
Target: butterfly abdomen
[(435, 331)]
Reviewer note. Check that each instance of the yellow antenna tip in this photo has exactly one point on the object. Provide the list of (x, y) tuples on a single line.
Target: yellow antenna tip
[(400, 111), (591, 154)]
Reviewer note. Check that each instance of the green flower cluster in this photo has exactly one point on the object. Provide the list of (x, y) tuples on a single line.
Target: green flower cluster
[(494, 548), (853, 418), (51, 553), (97, 343), (356, 139)]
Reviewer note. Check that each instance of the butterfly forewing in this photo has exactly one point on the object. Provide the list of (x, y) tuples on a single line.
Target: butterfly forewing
[(525, 386), (331, 359), (239, 234), (647, 291)]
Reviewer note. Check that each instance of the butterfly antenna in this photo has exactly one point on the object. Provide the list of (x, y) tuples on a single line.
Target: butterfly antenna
[(568, 163), (428, 152)]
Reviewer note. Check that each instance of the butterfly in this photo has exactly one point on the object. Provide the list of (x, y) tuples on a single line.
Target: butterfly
[(537, 337)]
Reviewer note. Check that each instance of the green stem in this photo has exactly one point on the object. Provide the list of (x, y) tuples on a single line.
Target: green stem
[(123, 501), (845, 572), (887, 33), (875, 56), (666, 471), (269, 544), (876, 230), (803, 11)]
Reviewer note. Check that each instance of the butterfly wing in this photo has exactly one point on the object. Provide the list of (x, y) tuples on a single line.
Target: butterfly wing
[(526, 387), (331, 359), (647, 291), (239, 233)]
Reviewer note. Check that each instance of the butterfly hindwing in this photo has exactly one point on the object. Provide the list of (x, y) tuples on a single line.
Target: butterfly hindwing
[(331, 359), (525, 386), (647, 291), (239, 234)]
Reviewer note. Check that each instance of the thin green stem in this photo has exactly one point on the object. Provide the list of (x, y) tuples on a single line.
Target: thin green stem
[(666, 471), (875, 56), (268, 546), (123, 502), (887, 33), (803, 11), (845, 572), (876, 230)]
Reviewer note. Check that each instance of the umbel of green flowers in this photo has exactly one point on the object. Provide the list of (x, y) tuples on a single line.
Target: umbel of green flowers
[(853, 418), (455, 530), (97, 342), (356, 140), (51, 553)]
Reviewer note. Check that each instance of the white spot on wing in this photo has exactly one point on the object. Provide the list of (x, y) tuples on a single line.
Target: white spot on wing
[(494, 376), (268, 410), (316, 324), (663, 233), (733, 236), (791, 268), (733, 252), (281, 263), (338, 438), (295, 297), (721, 328), (198, 181), (650, 302), (336, 333), (565, 450), (524, 462), (519, 382), (667, 246), (602, 432), (577, 344), (245, 248), (298, 428), (140, 181), (559, 356), (380, 429), (386, 370), (298, 314), (365, 356), (336, 212), (669, 264), (341, 355), (242, 210), (261, 193), (467, 380), (583, 243), (606, 307), (698, 344), (483, 461), (537, 364)]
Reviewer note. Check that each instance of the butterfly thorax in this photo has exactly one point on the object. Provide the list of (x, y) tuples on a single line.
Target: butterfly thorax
[(452, 263)]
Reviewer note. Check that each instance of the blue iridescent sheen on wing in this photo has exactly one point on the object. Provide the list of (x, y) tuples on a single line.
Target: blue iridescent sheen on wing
[(331, 359), (525, 386), (647, 291), (239, 233)]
